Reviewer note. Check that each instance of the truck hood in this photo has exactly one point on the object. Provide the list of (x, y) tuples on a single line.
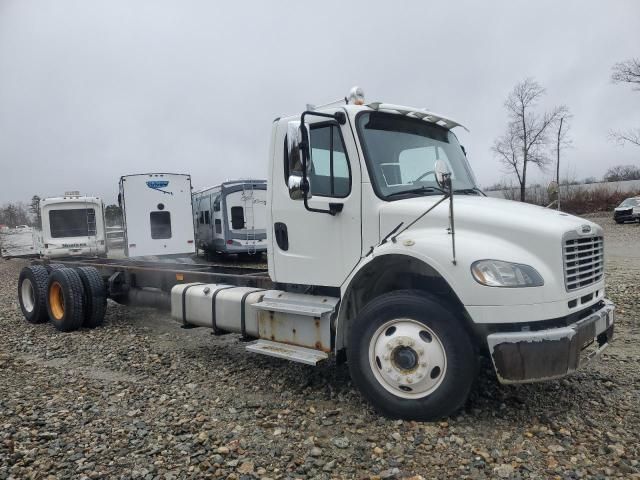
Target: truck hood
[(488, 228), (504, 218)]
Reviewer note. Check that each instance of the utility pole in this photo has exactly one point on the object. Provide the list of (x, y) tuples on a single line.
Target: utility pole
[(558, 140)]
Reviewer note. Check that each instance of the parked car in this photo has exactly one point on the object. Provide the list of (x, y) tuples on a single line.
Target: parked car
[(628, 210)]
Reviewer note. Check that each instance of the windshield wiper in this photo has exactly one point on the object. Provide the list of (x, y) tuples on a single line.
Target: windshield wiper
[(417, 190), (470, 191)]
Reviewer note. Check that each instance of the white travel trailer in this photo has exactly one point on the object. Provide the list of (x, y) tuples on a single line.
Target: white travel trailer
[(157, 214), (232, 217), (72, 225)]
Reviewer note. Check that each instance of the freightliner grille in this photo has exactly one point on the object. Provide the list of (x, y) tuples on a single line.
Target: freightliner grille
[(583, 261)]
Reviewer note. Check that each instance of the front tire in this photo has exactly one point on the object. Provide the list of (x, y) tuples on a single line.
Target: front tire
[(410, 357)]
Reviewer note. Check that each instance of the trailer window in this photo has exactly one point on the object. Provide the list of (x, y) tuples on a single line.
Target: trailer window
[(218, 223), (237, 218), (160, 225), (78, 222)]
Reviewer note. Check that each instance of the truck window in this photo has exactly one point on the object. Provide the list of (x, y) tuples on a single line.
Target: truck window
[(78, 222), (160, 225), (218, 223), (207, 218), (237, 218), (201, 218), (329, 172)]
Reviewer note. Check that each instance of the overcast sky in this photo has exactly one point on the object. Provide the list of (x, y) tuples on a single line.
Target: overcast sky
[(93, 90)]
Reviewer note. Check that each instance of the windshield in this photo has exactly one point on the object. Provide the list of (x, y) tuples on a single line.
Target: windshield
[(631, 202), (401, 153)]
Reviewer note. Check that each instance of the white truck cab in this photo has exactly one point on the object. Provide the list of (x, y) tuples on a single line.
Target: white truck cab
[(72, 225), (376, 204)]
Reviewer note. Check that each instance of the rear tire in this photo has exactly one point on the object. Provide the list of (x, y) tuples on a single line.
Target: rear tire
[(410, 357), (95, 298), (65, 299), (55, 266), (32, 293)]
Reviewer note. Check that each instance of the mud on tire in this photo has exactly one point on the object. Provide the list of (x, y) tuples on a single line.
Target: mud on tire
[(32, 293), (65, 299), (95, 296)]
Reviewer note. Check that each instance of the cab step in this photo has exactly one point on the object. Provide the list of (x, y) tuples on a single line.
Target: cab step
[(294, 353), (305, 305)]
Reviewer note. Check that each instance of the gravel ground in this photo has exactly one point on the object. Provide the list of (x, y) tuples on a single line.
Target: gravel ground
[(142, 398)]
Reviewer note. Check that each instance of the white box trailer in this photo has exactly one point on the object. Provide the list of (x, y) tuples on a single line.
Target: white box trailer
[(72, 225), (232, 217), (157, 214)]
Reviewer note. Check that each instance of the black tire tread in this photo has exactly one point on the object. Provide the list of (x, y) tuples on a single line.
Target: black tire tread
[(461, 359), (39, 278), (74, 299), (55, 266), (95, 296)]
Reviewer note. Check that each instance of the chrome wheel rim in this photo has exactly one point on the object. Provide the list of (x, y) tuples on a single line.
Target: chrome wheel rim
[(27, 294), (407, 358)]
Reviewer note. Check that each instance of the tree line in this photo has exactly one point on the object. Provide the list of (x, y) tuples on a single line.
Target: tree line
[(535, 138), (19, 213)]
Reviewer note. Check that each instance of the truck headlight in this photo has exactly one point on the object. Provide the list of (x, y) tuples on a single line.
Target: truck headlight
[(496, 273)]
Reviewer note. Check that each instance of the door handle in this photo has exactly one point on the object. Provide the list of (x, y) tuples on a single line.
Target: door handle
[(282, 236)]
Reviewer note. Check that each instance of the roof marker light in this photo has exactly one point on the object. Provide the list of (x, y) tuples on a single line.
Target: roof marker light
[(356, 96)]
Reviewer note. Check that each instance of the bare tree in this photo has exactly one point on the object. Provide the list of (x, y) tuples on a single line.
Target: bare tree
[(627, 72), (34, 209), (562, 140), (526, 135), (620, 173), (630, 135)]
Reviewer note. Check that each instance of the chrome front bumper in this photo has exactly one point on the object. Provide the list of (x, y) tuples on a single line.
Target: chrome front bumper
[(533, 356)]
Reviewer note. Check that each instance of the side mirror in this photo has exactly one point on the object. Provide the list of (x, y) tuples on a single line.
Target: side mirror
[(442, 173), (298, 189), (295, 145)]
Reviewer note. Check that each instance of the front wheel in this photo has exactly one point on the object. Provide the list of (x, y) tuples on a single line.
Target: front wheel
[(410, 357)]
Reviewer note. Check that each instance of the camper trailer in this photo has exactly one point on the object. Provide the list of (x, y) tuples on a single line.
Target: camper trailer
[(71, 225), (157, 214), (231, 217)]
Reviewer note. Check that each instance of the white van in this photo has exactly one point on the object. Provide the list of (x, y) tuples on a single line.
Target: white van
[(232, 217), (157, 214), (72, 225)]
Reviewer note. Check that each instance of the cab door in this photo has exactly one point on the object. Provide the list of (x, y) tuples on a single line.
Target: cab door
[(313, 248)]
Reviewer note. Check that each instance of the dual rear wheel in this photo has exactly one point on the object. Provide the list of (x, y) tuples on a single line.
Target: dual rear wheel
[(69, 298)]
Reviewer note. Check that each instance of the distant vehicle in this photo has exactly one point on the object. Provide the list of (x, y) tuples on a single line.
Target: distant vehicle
[(72, 225), (232, 217), (157, 214), (22, 228), (627, 211), (115, 236)]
